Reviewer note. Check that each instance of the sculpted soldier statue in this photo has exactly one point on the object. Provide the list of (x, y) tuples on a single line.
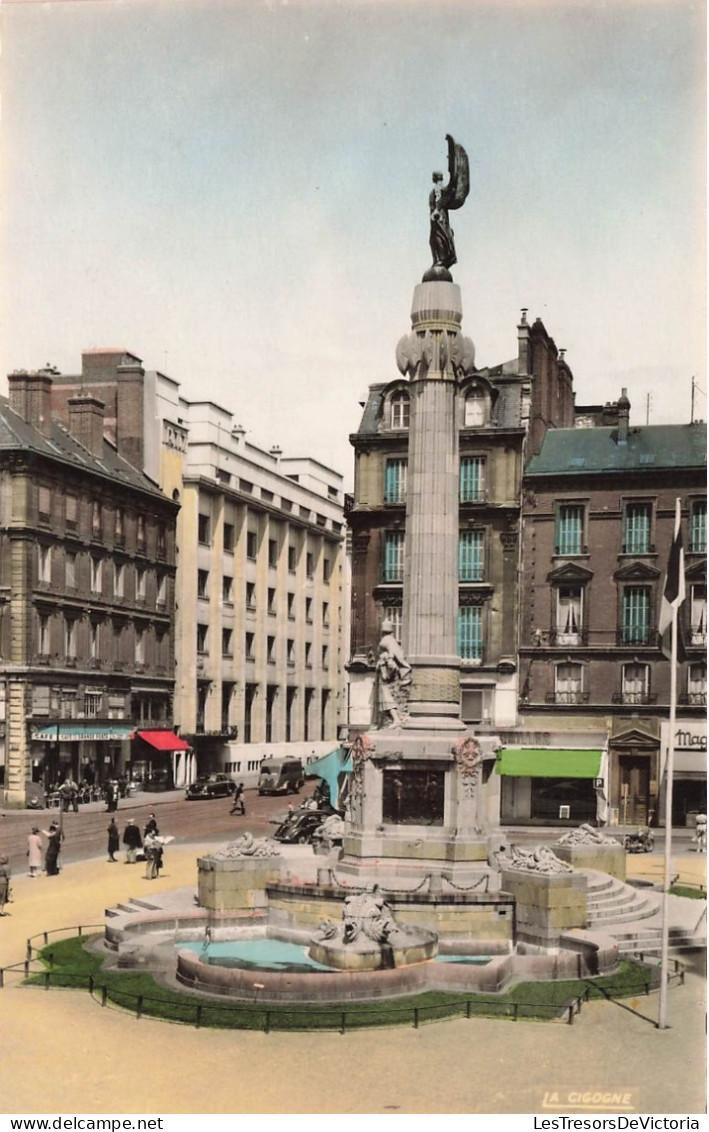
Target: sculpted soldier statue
[(393, 676), (441, 200)]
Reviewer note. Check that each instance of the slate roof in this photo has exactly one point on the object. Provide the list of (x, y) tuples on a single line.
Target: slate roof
[(579, 451), (16, 435), (505, 412)]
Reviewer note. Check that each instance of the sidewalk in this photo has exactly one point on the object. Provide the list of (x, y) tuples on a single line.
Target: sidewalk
[(62, 1053)]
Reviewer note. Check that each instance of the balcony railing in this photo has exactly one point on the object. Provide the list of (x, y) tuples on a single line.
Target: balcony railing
[(693, 699), (632, 635), (567, 697), (634, 698), (565, 639)]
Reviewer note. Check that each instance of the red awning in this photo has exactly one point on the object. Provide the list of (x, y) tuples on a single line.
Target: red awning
[(164, 740)]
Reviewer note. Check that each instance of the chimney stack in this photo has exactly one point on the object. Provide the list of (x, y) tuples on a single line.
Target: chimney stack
[(130, 413), (31, 398), (623, 417), (86, 422)]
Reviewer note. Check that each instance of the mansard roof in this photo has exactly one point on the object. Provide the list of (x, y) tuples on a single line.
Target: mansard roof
[(580, 451)]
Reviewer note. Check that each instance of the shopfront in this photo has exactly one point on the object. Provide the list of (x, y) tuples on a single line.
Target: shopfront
[(85, 752), (689, 758), (551, 786), (161, 760)]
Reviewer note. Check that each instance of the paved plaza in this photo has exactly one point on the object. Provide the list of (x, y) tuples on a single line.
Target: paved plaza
[(63, 1053)]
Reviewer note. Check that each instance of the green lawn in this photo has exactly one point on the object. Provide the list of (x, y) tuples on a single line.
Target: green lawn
[(68, 964), (685, 890)]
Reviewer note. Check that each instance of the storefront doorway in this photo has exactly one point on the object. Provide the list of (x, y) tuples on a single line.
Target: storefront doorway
[(634, 800)]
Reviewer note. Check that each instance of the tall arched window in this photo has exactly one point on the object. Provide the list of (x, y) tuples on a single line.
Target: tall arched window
[(400, 410)]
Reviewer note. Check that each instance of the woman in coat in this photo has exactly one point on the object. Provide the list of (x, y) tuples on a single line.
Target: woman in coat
[(34, 852), (114, 841), (4, 883)]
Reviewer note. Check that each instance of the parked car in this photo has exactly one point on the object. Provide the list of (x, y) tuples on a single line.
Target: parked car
[(210, 786), (300, 826), (280, 776)]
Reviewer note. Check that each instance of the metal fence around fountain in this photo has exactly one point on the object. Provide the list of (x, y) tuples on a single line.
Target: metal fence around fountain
[(265, 1018)]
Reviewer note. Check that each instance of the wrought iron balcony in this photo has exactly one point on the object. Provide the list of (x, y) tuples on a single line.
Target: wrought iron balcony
[(567, 697), (634, 698)]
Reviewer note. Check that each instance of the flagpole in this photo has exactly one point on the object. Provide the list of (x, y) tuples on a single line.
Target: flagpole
[(669, 771)]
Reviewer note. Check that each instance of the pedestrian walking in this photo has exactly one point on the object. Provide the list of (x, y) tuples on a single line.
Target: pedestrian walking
[(5, 894), (238, 804), (153, 856), (151, 826), (54, 837), (34, 852), (132, 841), (114, 842), (109, 794), (700, 832)]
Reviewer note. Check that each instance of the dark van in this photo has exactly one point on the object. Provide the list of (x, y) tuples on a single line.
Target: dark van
[(280, 776)]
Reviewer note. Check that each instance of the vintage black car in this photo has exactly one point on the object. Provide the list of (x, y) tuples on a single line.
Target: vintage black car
[(210, 786), (300, 826)]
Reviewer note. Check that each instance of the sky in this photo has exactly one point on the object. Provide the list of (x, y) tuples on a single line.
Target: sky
[(237, 192)]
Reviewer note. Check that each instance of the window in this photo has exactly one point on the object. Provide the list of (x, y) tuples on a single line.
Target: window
[(308, 654), (400, 408), (272, 552), (475, 415), (202, 583), (393, 564), (307, 723), (140, 532), (325, 658), (94, 640), (251, 544), (470, 638), (635, 613), (309, 610), (472, 707), (569, 529), (44, 566), (245, 485), (119, 576), (202, 631), (140, 584), (96, 575), (569, 615), (568, 683), (161, 598), (636, 533), (395, 481), (45, 504), (250, 595), (96, 524), (290, 652), (636, 683), (92, 705), (162, 539), (203, 529), (71, 571), (697, 684), (290, 598), (227, 693), (119, 533), (698, 527), (227, 588), (270, 650), (326, 571), (290, 702), (470, 556), (226, 642), (229, 538), (271, 601), (72, 512), (324, 703), (292, 559), (139, 646), (325, 614), (309, 564), (698, 614), (271, 695), (472, 479), (249, 647), (392, 613), (70, 638), (43, 634)]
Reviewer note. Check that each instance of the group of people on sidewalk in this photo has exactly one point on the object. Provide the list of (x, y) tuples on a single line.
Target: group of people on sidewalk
[(150, 842)]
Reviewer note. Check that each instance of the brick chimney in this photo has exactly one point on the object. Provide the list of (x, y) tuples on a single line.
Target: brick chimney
[(86, 422), (31, 398), (130, 413), (623, 417)]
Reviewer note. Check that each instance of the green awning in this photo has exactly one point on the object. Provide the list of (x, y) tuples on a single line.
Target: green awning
[(80, 732), (547, 762)]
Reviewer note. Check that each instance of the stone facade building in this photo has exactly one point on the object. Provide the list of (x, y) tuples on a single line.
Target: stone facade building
[(598, 520), (501, 413), (87, 577)]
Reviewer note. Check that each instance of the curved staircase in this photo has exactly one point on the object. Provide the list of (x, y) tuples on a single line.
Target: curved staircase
[(633, 916)]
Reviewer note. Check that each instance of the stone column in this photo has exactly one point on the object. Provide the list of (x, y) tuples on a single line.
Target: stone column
[(431, 563)]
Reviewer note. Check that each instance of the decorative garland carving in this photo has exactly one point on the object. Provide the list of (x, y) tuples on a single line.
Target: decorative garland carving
[(468, 757), (362, 748)]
